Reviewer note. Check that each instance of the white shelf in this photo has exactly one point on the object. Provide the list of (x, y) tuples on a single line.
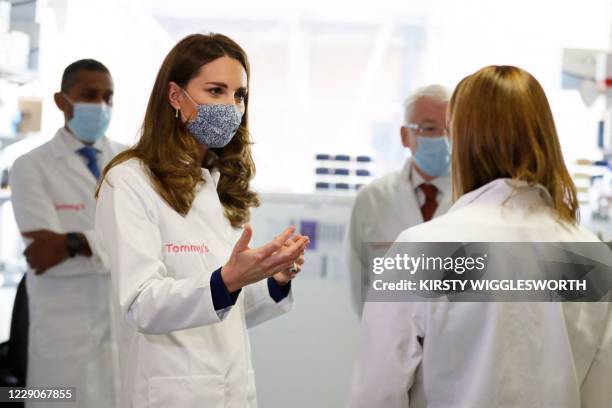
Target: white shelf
[(20, 78)]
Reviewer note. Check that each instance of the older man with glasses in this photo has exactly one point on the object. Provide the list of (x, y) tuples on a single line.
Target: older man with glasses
[(411, 196)]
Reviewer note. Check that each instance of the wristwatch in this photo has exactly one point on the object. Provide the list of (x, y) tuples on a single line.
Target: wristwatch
[(74, 244)]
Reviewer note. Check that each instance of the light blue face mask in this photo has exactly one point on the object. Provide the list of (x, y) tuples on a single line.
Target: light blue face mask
[(214, 125), (89, 120), (433, 155)]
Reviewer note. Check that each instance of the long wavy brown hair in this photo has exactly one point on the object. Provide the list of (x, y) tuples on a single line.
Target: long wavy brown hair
[(502, 127), (171, 153)]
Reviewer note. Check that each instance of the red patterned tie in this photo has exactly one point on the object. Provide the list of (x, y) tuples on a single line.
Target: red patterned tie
[(429, 208)]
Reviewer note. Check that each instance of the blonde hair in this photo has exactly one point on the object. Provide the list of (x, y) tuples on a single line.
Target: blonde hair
[(501, 126)]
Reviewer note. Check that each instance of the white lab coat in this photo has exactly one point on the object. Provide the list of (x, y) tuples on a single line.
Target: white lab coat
[(487, 354), (175, 350), (383, 209), (69, 341)]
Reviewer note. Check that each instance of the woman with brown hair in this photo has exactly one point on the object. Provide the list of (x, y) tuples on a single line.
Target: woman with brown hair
[(172, 213), (510, 184)]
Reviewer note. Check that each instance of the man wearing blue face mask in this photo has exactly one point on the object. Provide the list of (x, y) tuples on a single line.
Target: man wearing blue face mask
[(402, 199), (53, 190)]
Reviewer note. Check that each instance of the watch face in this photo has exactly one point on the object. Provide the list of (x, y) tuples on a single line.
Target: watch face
[(73, 244)]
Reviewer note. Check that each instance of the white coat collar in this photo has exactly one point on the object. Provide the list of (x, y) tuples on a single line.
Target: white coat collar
[(508, 192), (65, 144), (215, 175)]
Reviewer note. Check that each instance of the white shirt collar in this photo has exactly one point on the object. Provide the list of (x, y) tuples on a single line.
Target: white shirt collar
[(415, 178), (214, 174), (73, 144), (505, 191)]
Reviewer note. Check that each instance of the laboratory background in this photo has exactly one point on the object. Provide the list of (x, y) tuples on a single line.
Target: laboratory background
[(328, 81)]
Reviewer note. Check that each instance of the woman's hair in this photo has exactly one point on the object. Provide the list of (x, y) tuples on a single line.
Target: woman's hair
[(502, 127), (171, 153)]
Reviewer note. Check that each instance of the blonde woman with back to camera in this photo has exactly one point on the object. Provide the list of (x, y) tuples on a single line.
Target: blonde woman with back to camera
[(510, 184)]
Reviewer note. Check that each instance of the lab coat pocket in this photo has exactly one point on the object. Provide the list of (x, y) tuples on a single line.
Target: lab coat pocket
[(187, 392)]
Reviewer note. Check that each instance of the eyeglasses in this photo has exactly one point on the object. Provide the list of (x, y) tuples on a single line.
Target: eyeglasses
[(428, 128)]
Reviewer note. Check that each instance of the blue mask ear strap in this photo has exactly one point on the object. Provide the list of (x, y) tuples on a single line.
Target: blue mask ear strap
[(67, 98)]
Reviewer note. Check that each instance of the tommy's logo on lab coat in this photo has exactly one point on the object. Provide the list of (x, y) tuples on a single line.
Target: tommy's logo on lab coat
[(186, 249), (70, 207)]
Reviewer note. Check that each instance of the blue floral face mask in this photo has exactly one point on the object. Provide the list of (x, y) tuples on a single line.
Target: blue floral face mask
[(214, 125)]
